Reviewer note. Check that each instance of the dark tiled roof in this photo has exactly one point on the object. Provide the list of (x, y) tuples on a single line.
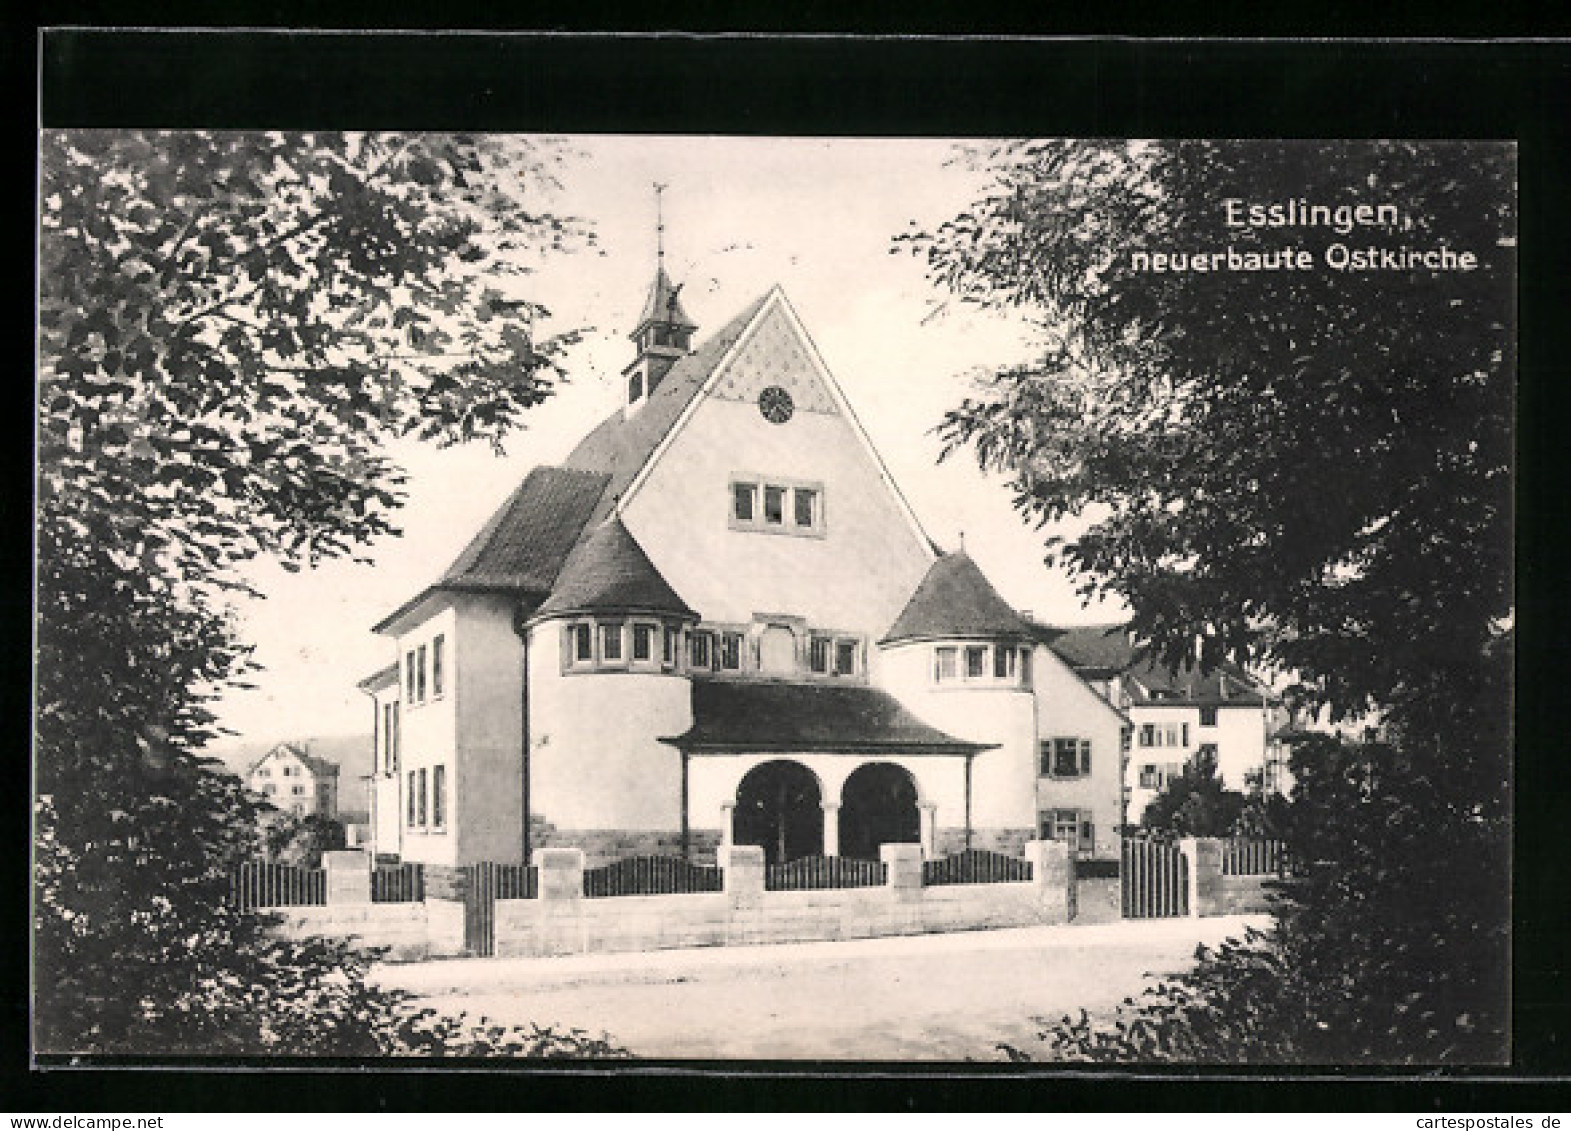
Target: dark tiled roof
[(526, 544), (1150, 683), (527, 541), (1102, 650), (802, 717), (956, 600), (664, 305), (621, 447), (609, 571), (1090, 648)]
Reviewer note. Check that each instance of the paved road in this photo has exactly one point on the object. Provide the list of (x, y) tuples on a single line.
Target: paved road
[(929, 997)]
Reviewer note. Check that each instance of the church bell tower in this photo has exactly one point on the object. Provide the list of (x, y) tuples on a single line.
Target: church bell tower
[(664, 332)]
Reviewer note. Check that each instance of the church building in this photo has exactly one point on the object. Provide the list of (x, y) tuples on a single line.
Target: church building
[(719, 621)]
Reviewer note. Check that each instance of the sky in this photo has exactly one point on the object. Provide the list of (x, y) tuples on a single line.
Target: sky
[(815, 216)]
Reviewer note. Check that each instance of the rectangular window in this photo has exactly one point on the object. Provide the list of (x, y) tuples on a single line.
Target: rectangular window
[(583, 644), (398, 739), (1184, 733), (1087, 837), (944, 664), (698, 652), (774, 505), (673, 643), (438, 646), (744, 498), (409, 676), (643, 642), (731, 651), (806, 507), (420, 800), (976, 662), (1208, 716), (845, 657), (1071, 757), (439, 797), (1151, 777), (1062, 824), (420, 675), (298, 790), (411, 799), (818, 654), (387, 737), (1148, 734), (610, 642), (1004, 663), (1025, 667)]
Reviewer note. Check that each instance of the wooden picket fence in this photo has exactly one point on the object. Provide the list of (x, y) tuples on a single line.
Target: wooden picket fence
[(651, 875), (1153, 879), (814, 873), (1252, 856), (398, 883), (975, 866), (257, 883)]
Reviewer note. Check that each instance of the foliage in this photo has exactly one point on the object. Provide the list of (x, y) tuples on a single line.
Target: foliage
[(1308, 470), (1196, 802), (301, 840), (231, 327)]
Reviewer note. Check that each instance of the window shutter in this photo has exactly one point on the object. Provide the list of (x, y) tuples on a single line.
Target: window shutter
[(1085, 755)]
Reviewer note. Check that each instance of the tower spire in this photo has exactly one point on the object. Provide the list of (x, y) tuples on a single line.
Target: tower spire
[(659, 226)]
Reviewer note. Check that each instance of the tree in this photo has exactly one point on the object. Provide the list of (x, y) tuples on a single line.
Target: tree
[(1195, 803), (1306, 468), (231, 328), (301, 840)]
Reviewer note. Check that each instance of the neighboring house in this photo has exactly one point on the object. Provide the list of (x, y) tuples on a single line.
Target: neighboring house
[(1176, 715), (295, 781), (719, 621)]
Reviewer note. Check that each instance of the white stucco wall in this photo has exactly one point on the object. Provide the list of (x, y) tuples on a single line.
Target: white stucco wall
[(428, 733), (1003, 779), (596, 762), (487, 663), (857, 576), (1068, 708)]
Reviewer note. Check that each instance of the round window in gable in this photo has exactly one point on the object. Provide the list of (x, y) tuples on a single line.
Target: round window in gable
[(775, 403)]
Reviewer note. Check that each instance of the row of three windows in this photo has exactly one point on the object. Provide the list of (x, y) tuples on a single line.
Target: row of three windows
[(428, 799), (1000, 662), (416, 669), (798, 508)]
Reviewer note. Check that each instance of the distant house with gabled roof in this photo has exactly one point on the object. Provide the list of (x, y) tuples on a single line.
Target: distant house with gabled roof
[(296, 781), (719, 621), (1175, 715)]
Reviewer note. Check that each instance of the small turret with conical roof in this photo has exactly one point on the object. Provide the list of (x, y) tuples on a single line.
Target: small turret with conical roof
[(664, 332)]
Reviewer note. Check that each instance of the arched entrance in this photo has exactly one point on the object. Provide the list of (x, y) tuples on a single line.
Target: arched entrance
[(778, 808), (878, 806)]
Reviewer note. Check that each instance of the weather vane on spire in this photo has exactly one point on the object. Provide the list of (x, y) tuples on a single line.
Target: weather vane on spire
[(659, 226)]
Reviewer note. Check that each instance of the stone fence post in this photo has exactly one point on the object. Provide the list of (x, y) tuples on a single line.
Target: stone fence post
[(1203, 868), (904, 864), (348, 876), (744, 874), (561, 873), (1053, 873)]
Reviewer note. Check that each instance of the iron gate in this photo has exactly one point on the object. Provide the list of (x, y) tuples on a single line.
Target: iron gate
[(1153, 880)]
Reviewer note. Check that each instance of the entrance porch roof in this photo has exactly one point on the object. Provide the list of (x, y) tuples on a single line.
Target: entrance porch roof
[(835, 718)]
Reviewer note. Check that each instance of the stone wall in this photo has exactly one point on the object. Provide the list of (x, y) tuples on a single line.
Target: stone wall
[(1213, 893)]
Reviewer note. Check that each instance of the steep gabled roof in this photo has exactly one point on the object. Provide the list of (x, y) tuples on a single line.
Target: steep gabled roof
[(802, 718), (621, 445), (524, 545), (956, 600), (609, 572), (321, 767)]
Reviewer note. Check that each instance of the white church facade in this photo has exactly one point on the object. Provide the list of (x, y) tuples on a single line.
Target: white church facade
[(719, 621)]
